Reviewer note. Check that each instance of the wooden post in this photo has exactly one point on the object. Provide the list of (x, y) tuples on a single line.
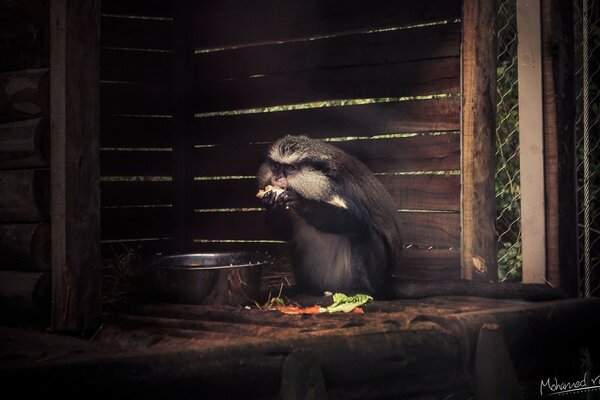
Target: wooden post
[(75, 205), (531, 142), (559, 144), (479, 244)]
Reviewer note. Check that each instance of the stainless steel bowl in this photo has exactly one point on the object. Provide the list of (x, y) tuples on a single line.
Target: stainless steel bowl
[(209, 278)]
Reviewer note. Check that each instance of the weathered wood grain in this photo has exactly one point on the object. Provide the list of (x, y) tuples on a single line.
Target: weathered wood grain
[(135, 66), (136, 33), (25, 292), (25, 144), (560, 160), (137, 223), (148, 8), (136, 163), (478, 165), (420, 229), (417, 192), (433, 115), (135, 132), (24, 94), (417, 153), (76, 304), (357, 50), (226, 23), (25, 247), (24, 46), (417, 78), (138, 98), (135, 193), (24, 195)]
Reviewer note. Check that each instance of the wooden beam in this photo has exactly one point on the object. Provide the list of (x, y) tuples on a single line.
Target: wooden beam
[(560, 159), (25, 247), (25, 292), (24, 144), (24, 94), (531, 141), (479, 244), (24, 195), (74, 165)]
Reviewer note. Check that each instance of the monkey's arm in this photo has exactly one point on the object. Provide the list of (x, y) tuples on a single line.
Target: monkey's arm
[(324, 216)]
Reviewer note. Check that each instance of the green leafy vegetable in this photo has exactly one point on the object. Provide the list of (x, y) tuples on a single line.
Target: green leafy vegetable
[(343, 303)]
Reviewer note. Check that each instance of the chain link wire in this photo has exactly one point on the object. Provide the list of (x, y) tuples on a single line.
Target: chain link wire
[(508, 182), (587, 127)]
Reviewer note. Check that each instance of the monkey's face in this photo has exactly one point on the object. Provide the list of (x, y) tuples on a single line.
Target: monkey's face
[(291, 164)]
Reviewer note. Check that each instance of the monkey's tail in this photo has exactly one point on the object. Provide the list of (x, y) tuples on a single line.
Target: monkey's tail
[(417, 289)]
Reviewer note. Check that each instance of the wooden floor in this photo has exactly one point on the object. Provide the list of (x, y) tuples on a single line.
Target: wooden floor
[(397, 348)]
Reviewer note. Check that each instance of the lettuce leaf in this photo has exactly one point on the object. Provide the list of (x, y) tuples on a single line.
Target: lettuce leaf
[(343, 303)]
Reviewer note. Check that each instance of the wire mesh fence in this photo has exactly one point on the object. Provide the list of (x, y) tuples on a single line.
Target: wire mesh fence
[(587, 126), (508, 185)]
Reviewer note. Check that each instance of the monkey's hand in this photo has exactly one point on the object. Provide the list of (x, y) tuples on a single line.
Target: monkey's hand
[(270, 196), (288, 199)]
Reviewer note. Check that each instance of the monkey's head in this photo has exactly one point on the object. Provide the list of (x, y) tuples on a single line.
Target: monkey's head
[(302, 164)]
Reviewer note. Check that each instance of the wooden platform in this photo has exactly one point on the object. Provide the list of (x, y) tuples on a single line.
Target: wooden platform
[(395, 349)]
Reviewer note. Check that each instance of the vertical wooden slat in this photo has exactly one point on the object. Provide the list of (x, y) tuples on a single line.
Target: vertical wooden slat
[(74, 150), (559, 144), (479, 243), (531, 141)]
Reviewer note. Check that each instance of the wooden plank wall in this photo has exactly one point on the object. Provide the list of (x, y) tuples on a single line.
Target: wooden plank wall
[(24, 158), (136, 125), (253, 55), (401, 58)]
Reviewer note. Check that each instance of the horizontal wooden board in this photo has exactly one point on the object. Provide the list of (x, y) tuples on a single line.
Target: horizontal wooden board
[(429, 264), (135, 193), (417, 153), (430, 229), (136, 66), (146, 249), (25, 247), (24, 11), (345, 51), (420, 229), (230, 22), (424, 192), (434, 115), (24, 195), (136, 223), (24, 94), (417, 192), (136, 33), (135, 163), (148, 8), (25, 144), (135, 98), (24, 46), (416, 78), (135, 132)]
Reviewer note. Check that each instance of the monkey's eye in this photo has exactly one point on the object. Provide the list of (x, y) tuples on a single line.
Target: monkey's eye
[(289, 169)]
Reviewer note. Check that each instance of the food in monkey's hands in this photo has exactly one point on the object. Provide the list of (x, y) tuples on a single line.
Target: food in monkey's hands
[(261, 193)]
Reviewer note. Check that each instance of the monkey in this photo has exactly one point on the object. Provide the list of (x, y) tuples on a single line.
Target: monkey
[(344, 229)]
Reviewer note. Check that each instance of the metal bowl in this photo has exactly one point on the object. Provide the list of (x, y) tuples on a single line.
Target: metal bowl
[(209, 278)]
